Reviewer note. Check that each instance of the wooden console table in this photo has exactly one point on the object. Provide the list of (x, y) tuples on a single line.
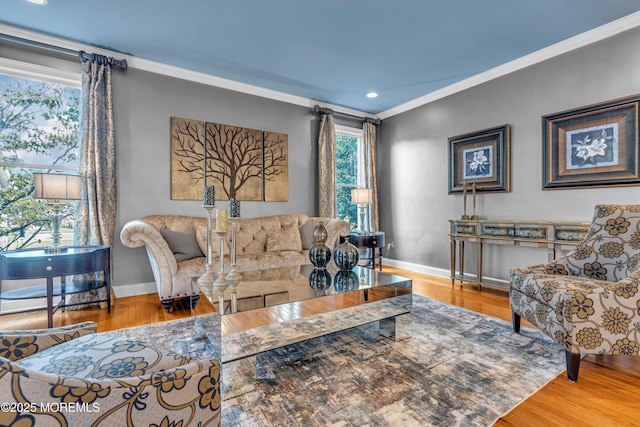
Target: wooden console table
[(534, 234), (35, 264)]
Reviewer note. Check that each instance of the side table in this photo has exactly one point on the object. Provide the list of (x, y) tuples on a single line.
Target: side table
[(36, 264), (372, 242)]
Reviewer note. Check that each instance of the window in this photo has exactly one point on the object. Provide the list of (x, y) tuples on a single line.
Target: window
[(39, 132), (348, 148)]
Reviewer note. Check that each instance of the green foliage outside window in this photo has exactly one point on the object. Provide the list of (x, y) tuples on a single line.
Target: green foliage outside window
[(346, 177), (39, 131)]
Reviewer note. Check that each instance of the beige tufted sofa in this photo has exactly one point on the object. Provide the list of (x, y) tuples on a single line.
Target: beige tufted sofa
[(261, 243)]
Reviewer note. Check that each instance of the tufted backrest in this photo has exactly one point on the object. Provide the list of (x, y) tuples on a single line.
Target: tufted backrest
[(611, 249), (251, 233)]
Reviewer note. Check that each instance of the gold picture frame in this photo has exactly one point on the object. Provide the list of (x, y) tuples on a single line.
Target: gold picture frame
[(481, 157), (592, 146)]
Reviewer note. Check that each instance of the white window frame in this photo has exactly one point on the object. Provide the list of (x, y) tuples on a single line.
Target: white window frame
[(27, 70), (359, 134)]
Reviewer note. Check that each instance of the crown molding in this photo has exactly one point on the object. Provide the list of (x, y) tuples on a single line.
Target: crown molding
[(180, 73), (587, 38), (601, 33)]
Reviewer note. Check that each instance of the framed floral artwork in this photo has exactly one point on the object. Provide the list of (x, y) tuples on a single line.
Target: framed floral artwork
[(481, 157), (592, 146)]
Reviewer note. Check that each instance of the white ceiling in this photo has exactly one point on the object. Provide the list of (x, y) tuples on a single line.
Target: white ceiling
[(333, 51)]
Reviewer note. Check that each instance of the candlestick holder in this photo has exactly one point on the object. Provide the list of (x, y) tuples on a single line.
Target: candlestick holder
[(209, 275), (233, 277), (474, 216), (221, 283), (464, 198)]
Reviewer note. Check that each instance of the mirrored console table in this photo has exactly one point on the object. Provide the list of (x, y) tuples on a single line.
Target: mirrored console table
[(552, 236)]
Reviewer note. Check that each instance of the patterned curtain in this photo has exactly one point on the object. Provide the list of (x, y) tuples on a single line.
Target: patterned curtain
[(369, 170), (327, 167), (96, 215)]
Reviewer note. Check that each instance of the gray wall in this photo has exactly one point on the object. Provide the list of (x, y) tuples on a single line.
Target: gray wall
[(144, 103), (413, 154), (412, 160)]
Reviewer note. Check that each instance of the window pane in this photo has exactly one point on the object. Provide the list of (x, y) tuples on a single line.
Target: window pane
[(346, 176), (346, 159), (346, 210), (39, 132)]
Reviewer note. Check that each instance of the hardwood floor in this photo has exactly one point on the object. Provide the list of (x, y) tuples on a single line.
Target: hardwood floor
[(606, 393)]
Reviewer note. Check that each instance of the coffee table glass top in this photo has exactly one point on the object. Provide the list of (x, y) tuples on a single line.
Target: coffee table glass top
[(270, 287)]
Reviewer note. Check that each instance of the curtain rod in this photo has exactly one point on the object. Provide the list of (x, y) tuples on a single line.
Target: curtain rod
[(321, 111), (120, 63)]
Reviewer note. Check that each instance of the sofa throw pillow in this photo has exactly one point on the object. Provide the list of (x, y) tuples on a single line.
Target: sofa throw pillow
[(306, 234), (182, 243), (284, 239)]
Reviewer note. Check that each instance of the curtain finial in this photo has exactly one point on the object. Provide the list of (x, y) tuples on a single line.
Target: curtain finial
[(102, 59)]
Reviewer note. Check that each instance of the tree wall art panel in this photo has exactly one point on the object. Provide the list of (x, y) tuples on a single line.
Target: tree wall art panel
[(187, 159), (234, 161), (242, 163), (276, 167)]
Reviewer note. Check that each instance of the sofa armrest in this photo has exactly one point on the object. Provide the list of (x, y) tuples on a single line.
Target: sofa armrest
[(17, 344), (137, 233), (559, 266), (335, 229), (189, 391)]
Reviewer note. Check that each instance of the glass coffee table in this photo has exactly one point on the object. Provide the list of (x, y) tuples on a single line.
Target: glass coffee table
[(367, 295)]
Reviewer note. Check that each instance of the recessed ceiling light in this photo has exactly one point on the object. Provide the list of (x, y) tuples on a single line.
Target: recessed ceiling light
[(38, 2), (372, 95)]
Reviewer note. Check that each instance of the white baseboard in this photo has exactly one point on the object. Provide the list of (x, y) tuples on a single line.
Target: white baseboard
[(16, 306), (434, 271), (418, 268), (135, 289), (11, 306), (150, 287)]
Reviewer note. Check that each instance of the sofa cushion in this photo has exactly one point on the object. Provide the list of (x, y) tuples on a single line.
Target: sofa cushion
[(284, 239), (306, 234), (102, 356), (183, 244), (201, 239)]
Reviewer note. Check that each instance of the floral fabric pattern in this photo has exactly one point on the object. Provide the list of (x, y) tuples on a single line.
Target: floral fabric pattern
[(97, 209), (327, 167), (588, 300), (121, 381), (15, 345)]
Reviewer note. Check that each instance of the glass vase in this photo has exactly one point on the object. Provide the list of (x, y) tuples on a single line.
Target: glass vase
[(320, 253), (346, 255)]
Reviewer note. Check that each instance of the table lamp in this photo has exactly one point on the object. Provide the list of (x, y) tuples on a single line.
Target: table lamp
[(56, 187), (362, 197)]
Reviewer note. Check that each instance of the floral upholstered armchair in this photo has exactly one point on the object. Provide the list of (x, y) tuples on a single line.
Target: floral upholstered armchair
[(73, 376), (587, 300)]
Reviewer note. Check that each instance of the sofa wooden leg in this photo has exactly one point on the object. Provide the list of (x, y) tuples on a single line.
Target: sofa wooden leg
[(573, 364), (193, 300), (167, 304), (515, 318)]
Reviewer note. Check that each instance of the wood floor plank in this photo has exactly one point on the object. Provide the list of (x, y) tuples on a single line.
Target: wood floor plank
[(606, 393)]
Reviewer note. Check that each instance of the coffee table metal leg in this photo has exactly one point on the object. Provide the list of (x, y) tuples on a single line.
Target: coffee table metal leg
[(397, 328)]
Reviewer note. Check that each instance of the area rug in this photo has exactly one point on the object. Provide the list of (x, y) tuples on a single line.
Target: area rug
[(460, 368)]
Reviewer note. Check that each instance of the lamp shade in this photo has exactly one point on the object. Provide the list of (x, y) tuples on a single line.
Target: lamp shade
[(362, 196), (56, 186)]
